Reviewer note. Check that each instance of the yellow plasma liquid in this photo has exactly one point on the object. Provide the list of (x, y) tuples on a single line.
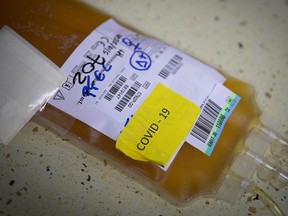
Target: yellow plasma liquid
[(56, 28)]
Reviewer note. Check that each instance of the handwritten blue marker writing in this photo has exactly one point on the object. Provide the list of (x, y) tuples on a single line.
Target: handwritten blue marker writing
[(98, 76), (129, 43), (139, 60), (89, 86), (127, 121), (87, 68)]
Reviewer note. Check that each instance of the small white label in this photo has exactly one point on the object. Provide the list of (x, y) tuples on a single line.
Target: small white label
[(214, 114)]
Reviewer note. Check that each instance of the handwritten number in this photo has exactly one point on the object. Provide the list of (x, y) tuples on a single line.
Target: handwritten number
[(127, 42), (78, 77), (164, 113)]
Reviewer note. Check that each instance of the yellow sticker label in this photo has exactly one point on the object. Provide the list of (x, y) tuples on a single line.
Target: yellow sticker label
[(158, 127)]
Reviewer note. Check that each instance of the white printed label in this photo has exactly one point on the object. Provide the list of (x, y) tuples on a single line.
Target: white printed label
[(113, 70), (210, 123)]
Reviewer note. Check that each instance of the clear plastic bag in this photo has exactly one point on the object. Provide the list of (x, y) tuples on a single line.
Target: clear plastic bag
[(56, 29)]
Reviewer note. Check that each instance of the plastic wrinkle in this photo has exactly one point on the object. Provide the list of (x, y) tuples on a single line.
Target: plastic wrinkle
[(26, 82)]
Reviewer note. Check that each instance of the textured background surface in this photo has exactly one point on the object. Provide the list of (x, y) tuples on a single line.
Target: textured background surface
[(41, 174)]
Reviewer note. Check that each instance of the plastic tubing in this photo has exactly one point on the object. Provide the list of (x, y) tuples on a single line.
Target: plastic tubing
[(266, 199)]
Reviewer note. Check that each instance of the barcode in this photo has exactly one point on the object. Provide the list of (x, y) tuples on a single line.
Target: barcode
[(171, 67), (115, 88), (126, 98), (205, 121)]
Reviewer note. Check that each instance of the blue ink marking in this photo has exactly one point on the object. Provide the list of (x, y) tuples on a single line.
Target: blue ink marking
[(98, 76), (215, 135), (106, 69), (127, 120), (86, 90), (139, 60), (129, 43)]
